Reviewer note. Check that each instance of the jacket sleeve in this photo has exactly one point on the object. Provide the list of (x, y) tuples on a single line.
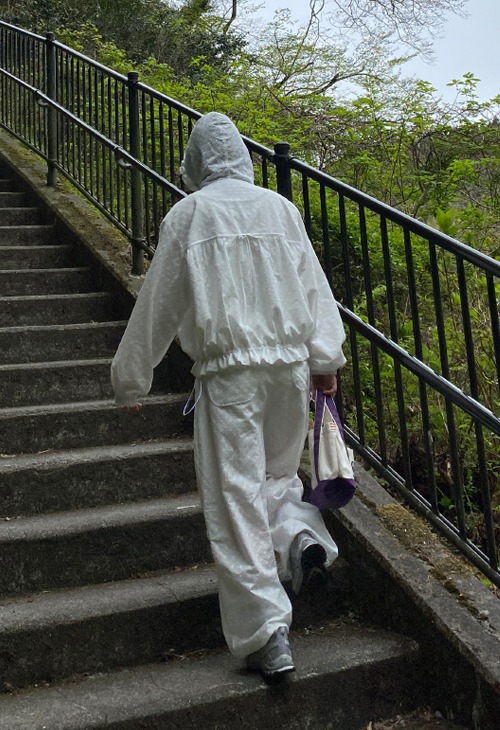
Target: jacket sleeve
[(154, 321), (325, 343)]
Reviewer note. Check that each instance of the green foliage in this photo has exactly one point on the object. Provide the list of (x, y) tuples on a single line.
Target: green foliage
[(167, 32)]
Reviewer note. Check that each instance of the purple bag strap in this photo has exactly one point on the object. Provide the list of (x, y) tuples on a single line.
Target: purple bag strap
[(318, 422)]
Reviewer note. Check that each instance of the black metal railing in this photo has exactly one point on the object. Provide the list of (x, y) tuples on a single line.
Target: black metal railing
[(420, 394)]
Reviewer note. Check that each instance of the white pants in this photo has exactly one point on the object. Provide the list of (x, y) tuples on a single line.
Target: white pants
[(250, 426)]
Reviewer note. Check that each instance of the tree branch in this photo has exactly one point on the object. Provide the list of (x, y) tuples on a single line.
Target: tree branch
[(234, 13)]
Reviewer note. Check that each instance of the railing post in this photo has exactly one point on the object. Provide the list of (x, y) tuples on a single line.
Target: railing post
[(135, 176), (51, 81), (282, 157)]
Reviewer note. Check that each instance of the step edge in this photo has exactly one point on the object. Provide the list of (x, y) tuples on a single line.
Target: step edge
[(67, 524), (57, 297), (91, 405), (75, 457), (73, 605), (116, 323), (53, 270), (50, 365)]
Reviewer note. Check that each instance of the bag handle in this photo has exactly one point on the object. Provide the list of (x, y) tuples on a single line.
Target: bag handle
[(318, 422)]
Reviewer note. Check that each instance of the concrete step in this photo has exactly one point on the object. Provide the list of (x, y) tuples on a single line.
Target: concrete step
[(51, 636), (34, 234), (103, 475), (35, 429), (346, 675), (101, 544), (35, 257), (10, 199), (45, 281), (22, 216), (6, 183), (45, 343), (70, 381), (94, 628), (56, 309)]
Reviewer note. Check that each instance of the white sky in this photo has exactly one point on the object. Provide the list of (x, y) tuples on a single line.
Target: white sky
[(467, 44)]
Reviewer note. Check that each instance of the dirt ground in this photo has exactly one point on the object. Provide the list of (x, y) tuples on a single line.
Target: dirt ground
[(421, 719)]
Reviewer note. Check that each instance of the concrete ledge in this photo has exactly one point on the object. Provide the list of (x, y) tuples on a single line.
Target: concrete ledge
[(407, 579)]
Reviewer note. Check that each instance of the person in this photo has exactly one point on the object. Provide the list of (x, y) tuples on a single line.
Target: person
[(236, 277)]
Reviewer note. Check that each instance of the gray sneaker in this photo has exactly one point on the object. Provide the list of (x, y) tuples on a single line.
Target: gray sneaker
[(275, 657)]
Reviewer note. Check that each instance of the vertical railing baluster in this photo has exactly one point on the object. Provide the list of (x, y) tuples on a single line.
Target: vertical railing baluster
[(283, 175), (145, 158), (126, 144), (180, 141), (466, 320), (349, 301), (52, 116), (265, 173), (171, 151), (111, 166), (394, 335), (163, 157), (307, 206), (489, 526), (495, 327), (424, 404), (327, 254), (457, 479), (135, 175), (370, 309), (154, 228)]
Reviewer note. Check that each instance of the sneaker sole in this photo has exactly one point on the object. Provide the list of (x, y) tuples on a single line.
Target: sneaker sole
[(282, 670), (286, 666)]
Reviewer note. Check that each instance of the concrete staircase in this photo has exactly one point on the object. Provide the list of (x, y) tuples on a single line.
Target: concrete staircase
[(108, 607)]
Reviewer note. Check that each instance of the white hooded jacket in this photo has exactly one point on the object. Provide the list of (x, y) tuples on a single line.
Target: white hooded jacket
[(234, 275)]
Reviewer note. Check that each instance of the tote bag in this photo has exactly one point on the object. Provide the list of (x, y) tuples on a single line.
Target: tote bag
[(332, 477)]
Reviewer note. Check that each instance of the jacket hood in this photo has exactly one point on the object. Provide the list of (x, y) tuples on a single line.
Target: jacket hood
[(215, 150)]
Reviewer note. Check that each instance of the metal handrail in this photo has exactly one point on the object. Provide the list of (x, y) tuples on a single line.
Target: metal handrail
[(469, 405), (393, 214)]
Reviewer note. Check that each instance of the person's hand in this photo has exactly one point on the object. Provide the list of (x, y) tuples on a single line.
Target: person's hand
[(132, 409), (326, 383)]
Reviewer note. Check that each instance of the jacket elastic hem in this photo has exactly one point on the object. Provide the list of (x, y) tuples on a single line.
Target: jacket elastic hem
[(281, 355)]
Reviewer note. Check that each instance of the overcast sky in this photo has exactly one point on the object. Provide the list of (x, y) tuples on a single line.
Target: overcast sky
[(468, 44)]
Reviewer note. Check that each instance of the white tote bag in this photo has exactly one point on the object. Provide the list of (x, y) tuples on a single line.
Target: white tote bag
[(332, 476)]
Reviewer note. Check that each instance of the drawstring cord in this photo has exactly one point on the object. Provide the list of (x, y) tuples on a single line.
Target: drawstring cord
[(190, 404)]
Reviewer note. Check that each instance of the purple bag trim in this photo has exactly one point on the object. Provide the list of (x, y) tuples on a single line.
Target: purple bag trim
[(329, 493)]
